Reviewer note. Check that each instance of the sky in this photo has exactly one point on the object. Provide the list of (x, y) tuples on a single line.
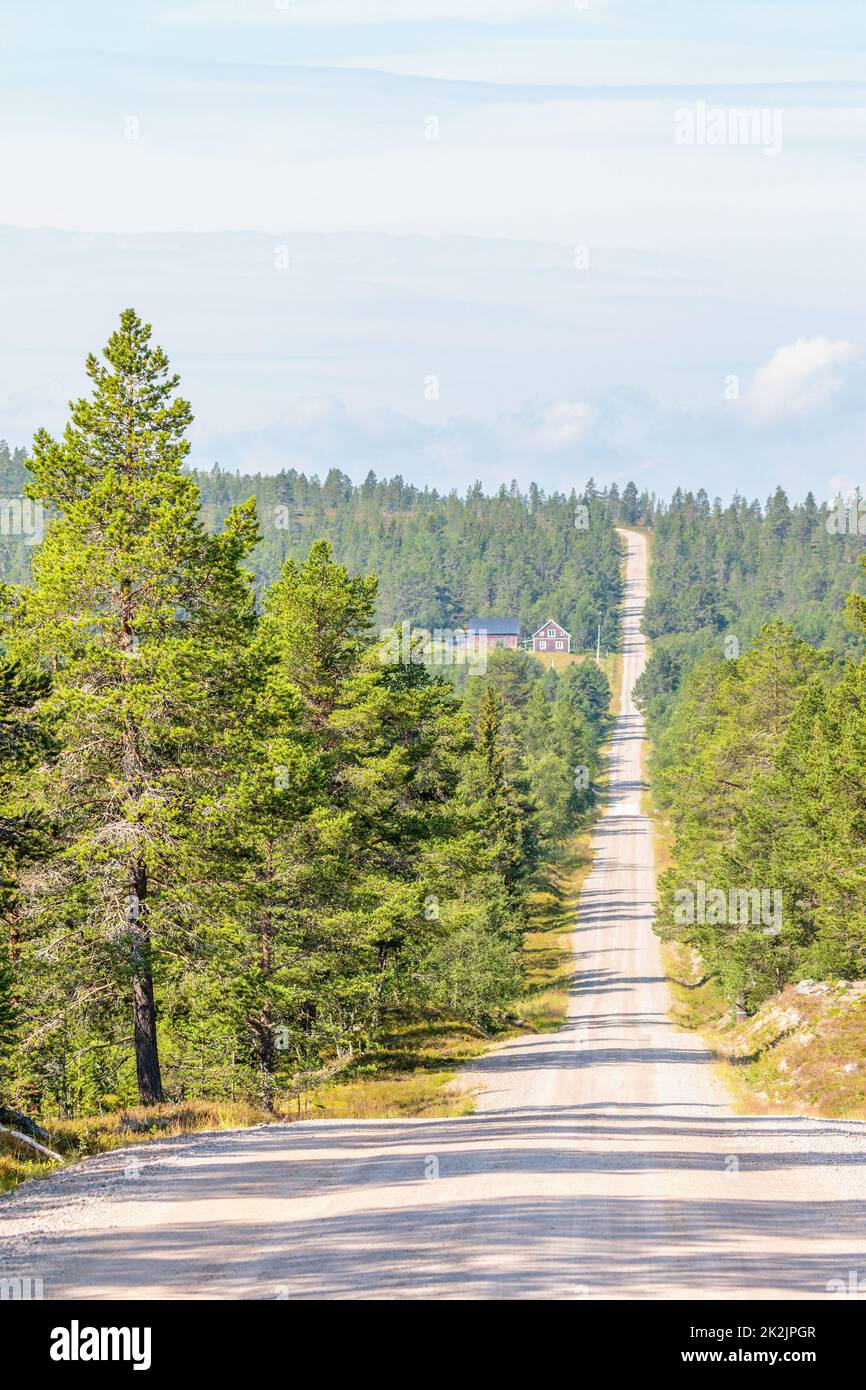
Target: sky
[(458, 239)]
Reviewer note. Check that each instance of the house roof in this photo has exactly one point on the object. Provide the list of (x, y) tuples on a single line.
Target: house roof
[(550, 622), (494, 627)]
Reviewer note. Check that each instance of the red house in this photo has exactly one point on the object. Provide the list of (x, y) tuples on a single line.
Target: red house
[(551, 637)]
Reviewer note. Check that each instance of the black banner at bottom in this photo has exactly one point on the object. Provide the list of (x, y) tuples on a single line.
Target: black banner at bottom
[(53, 1341)]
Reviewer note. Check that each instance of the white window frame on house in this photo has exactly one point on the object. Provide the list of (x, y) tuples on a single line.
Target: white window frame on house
[(551, 632), (559, 646), (542, 645)]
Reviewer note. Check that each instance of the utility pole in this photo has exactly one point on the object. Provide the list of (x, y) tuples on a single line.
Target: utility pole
[(598, 646)]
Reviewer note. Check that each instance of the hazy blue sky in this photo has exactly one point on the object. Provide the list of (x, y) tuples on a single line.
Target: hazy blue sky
[(460, 238)]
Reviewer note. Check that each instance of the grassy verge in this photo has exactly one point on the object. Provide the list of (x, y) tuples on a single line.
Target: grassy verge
[(801, 1053), (698, 1003), (549, 958), (612, 667)]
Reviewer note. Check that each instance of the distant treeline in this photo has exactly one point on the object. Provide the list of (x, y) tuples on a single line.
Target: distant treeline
[(719, 574), (439, 559)]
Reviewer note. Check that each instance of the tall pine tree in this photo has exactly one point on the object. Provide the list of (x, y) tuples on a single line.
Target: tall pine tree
[(144, 620)]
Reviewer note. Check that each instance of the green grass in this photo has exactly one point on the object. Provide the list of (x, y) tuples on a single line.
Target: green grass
[(611, 662)]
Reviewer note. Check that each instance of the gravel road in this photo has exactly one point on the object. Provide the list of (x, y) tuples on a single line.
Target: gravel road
[(604, 1161)]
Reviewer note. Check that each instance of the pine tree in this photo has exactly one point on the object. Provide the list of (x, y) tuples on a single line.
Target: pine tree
[(344, 825), (498, 803), (320, 620), (144, 620), (629, 507)]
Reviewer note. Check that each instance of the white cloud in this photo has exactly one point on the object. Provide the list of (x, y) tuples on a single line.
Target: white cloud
[(799, 379), (319, 433), (561, 425)]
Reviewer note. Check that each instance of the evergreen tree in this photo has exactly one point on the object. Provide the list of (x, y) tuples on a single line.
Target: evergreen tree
[(144, 619), (629, 508)]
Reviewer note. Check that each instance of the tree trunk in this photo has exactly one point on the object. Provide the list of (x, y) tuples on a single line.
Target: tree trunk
[(146, 1050), (143, 1002), (264, 1036), (263, 1023)]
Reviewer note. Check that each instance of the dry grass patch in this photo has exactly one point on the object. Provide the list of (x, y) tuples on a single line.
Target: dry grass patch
[(803, 1052), (96, 1134), (16, 1167)]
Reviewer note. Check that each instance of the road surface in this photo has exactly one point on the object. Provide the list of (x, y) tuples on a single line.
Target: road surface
[(604, 1160)]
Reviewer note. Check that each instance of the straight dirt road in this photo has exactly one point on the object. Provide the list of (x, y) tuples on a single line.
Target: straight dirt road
[(603, 1162)]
